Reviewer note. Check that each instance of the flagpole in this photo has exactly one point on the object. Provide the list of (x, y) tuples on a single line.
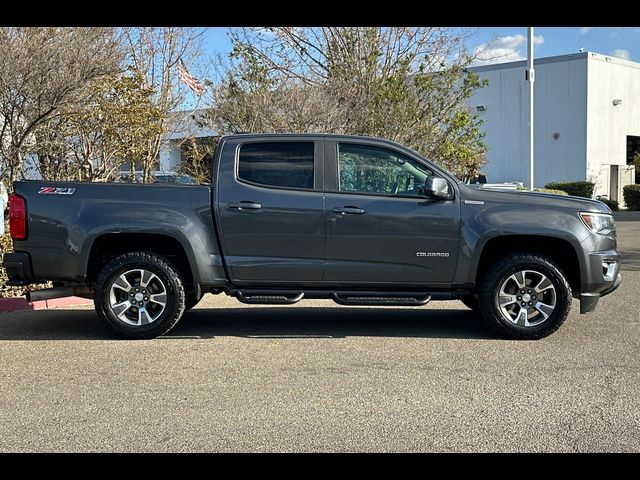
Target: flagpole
[(530, 76)]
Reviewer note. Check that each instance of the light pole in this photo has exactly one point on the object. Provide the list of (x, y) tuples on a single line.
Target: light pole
[(530, 77)]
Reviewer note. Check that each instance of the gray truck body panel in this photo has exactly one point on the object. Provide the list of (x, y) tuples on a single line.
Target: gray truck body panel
[(293, 238)]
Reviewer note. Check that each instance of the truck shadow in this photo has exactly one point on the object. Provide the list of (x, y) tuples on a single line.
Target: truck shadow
[(260, 323), (630, 260), (317, 322)]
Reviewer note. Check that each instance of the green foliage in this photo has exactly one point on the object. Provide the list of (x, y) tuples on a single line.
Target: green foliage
[(546, 190), (388, 82), (612, 204), (197, 158), (631, 195), (6, 246), (114, 127), (577, 189)]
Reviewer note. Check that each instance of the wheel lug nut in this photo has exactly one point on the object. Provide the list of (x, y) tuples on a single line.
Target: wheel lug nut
[(530, 303), (146, 299), (132, 294), (523, 304), (519, 297), (140, 303), (529, 291), (137, 289)]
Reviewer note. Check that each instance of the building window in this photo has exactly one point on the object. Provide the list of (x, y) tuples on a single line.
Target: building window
[(633, 148)]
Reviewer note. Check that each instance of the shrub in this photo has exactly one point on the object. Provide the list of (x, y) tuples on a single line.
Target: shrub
[(6, 246), (578, 189), (612, 204), (546, 190), (631, 195), (551, 190)]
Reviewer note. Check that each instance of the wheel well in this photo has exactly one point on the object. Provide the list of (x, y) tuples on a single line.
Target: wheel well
[(556, 249), (111, 245)]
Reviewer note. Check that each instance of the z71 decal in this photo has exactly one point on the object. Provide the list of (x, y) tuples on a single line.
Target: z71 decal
[(56, 191)]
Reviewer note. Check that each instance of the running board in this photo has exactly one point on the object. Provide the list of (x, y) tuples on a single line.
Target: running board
[(268, 297), (390, 299)]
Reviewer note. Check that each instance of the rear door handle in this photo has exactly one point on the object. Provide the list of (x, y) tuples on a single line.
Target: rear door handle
[(245, 205), (348, 210)]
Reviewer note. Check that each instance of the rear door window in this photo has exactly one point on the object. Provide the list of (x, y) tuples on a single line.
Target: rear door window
[(277, 164)]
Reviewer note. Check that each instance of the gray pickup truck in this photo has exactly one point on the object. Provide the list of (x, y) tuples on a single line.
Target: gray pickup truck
[(358, 220)]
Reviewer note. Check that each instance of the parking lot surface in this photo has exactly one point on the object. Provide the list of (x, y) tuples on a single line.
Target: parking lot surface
[(318, 377)]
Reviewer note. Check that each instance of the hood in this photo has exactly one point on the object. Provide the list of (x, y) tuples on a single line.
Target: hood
[(525, 198)]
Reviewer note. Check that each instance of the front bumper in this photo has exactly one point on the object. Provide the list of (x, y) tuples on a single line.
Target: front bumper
[(600, 281), (18, 267), (589, 301)]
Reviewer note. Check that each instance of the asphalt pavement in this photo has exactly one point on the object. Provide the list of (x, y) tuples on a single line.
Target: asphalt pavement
[(319, 377)]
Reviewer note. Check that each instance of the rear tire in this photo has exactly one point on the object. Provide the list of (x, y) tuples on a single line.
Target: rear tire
[(525, 296), (139, 295)]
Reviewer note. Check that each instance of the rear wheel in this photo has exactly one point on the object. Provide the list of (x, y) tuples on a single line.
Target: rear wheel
[(139, 295), (525, 296)]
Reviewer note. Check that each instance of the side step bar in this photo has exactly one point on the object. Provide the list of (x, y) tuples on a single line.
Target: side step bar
[(268, 297), (352, 298), (383, 299)]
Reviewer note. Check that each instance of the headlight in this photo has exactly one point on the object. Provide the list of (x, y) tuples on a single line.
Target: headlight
[(601, 223)]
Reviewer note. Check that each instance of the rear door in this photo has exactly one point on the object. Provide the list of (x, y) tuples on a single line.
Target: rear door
[(381, 228), (270, 209)]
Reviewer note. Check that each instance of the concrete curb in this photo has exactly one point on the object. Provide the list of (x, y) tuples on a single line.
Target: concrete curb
[(20, 303)]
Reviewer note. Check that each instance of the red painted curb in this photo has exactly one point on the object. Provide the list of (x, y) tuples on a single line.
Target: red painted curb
[(20, 303)]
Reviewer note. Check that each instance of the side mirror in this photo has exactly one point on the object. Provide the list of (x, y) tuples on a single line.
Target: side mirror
[(437, 187)]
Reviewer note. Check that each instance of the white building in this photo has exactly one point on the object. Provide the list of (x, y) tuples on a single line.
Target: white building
[(181, 126), (587, 120)]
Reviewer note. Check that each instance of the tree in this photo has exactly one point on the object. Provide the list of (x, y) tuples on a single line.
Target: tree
[(114, 126), (404, 84), (154, 52), (43, 70), (198, 157)]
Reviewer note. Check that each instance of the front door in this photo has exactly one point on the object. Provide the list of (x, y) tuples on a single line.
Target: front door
[(381, 228), (270, 209)]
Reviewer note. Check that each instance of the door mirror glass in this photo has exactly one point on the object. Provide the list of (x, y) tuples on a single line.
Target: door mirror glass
[(437, 187)]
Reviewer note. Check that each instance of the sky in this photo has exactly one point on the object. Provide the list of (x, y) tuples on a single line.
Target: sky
[(504, 44)]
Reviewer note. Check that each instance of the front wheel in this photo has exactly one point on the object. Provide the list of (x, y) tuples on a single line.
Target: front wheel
[(525, 296), (139, 295)]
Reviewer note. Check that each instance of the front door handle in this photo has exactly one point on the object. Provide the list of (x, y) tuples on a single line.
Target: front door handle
[(348, 210), (245, 205)]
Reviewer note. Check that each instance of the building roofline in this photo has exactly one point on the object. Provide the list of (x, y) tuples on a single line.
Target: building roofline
[(537, 61), (556, 59)]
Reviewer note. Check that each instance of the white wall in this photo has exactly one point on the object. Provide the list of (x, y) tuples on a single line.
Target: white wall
[(560, 107), (170, 156), (610, 78)]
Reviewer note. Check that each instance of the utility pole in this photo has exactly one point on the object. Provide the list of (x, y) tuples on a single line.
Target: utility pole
[(530, 77)]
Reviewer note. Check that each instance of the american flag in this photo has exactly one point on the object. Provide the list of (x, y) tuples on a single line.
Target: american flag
[(191, 81)]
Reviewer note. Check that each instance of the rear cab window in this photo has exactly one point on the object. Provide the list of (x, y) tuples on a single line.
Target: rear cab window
[(277, 164)]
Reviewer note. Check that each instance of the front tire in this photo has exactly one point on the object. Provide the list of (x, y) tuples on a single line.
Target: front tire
[(525, 296), (471, 302), (139, 295)]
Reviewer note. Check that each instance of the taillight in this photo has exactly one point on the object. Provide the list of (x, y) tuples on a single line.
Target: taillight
[(17, 217)]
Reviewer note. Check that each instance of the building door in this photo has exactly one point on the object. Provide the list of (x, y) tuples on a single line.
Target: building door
[(614, 182)]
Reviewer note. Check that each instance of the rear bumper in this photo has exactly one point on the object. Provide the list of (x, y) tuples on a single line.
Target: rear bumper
[(18, 266)]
